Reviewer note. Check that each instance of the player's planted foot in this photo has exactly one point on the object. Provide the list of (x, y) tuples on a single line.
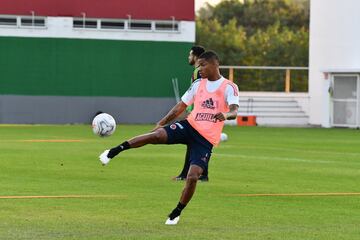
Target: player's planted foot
[(174, 216), (172, 222)]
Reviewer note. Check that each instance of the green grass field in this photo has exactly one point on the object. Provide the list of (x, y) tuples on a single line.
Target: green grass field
[(131, 197)]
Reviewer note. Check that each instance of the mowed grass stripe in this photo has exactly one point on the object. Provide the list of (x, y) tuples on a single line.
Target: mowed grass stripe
[(280, 158), (300, 150), (52, 140), (293, 194), (63, 196), (227, 195)]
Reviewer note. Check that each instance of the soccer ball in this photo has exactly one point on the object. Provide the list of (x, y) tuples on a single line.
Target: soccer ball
[(223, 137), (103, 125)]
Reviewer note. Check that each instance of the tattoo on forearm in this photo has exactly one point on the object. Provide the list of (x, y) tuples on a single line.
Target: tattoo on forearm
[(233, 111)]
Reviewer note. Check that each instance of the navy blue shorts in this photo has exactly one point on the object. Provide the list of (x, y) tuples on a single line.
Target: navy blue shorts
[(183, 133)]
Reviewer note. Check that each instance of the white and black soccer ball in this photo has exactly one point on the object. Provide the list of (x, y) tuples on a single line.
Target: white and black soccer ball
[(223, 137), (103, 125)]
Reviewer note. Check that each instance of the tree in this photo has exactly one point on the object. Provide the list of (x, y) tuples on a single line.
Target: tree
[(257, 32), (228, 40)]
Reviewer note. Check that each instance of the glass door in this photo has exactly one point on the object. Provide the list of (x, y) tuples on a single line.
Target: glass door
[(345, 100)]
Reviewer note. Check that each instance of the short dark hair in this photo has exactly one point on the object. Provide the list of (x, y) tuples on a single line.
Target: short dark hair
[(210, 55), (197, 50)]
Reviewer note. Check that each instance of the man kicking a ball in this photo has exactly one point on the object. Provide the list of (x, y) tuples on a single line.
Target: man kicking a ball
[(215, 99)]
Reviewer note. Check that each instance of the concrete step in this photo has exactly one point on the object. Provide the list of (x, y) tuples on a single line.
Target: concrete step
[(266, 99), (274, 114), (272, 110), (268, 121), (258, 109), (269, 104), (276, 121)]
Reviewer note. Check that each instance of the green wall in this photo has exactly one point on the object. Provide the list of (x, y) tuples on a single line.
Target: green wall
[(78, 67)]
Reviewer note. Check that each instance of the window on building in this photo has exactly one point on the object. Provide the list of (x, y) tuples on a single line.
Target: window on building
[(32, 22), (81, 23), (166, 26), (8, 21), (140, 25), (107, 24)]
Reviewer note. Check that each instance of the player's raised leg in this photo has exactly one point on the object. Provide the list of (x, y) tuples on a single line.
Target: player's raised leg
[(159, 136)]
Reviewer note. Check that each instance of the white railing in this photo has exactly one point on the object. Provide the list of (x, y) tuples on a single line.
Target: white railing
[(287, 81)]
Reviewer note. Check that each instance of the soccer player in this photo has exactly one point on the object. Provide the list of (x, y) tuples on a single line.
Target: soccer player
[(215, 100), (193, 58)]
